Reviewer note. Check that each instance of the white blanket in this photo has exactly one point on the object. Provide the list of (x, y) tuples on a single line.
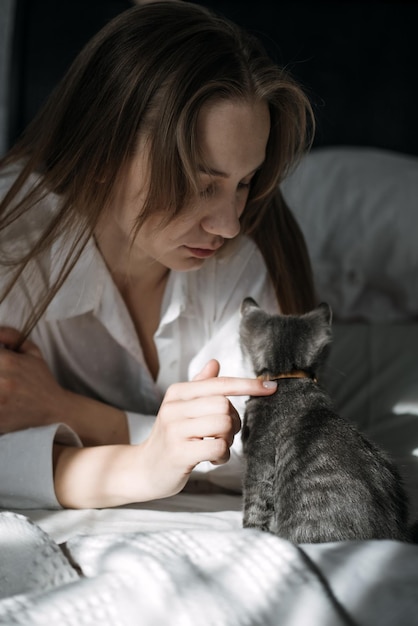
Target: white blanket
[(201, 577)]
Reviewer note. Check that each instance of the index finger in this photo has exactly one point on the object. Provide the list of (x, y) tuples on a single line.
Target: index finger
[(221, 386)]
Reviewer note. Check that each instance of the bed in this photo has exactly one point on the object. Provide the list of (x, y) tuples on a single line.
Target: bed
[(186, 560)]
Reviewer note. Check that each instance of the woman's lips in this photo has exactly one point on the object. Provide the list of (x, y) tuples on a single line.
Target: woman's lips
[(202, 253)]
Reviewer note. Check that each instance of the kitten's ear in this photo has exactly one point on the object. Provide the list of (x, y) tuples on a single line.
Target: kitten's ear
[(322, 313), (321, 331), (326, 311), (247, 304)]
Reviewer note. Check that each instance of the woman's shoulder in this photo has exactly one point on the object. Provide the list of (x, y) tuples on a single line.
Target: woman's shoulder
[(19, 235), (8, 176), (25, 230)]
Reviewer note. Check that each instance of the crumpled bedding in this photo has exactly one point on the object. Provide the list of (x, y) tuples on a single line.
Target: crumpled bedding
[(201, 577)]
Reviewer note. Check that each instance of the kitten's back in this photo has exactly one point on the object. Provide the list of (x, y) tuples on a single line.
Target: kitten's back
[(310, 475)]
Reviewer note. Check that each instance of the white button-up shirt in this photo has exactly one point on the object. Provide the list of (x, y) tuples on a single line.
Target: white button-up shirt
[(89, 341)]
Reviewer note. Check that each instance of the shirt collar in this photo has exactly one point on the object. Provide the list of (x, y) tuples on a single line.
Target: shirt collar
[(89, 288)]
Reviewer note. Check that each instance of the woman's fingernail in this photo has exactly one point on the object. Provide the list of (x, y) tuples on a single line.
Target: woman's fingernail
[(269, 384)]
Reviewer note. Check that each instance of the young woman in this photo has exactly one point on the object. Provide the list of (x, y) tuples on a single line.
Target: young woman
[(138, 210)]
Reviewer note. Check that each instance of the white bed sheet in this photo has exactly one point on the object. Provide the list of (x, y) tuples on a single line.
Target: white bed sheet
[(179, 568), (185, 511)]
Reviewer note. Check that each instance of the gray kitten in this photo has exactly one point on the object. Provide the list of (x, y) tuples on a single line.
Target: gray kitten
[(310, 476)]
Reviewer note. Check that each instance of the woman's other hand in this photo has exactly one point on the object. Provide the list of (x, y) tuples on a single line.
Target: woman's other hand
[(30, 396)]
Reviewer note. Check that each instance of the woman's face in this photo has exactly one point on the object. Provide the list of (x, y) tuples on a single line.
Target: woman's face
[(233, 137)]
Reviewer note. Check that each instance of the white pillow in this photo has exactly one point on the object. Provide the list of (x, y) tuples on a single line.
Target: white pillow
[(358, 209)]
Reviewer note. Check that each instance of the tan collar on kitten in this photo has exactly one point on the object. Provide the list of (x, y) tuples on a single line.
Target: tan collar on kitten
[(292, 374)]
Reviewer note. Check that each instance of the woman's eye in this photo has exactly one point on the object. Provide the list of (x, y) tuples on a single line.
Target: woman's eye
[(210, 190), (207, 192)]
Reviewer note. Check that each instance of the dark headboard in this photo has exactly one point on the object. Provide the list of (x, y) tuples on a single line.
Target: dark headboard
[(357, 60)]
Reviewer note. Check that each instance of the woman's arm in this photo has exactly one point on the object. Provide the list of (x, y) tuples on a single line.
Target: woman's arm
[(94, 422), (196, 423)]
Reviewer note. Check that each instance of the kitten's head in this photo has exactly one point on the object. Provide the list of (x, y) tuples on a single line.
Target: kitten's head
[(278, 344)]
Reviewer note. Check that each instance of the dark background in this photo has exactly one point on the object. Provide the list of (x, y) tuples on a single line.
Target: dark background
[(358, 61)]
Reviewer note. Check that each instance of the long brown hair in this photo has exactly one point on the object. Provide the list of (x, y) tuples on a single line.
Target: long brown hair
[(149, 71)]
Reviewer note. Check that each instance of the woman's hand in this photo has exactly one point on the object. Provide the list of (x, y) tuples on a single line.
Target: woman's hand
[(30, 396), (196, 422)]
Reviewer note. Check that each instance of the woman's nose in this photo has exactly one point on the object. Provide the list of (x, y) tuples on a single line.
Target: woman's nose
[(223, 220)]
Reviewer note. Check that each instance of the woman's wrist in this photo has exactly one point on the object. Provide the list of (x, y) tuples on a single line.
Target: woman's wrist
[(94, 422)]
